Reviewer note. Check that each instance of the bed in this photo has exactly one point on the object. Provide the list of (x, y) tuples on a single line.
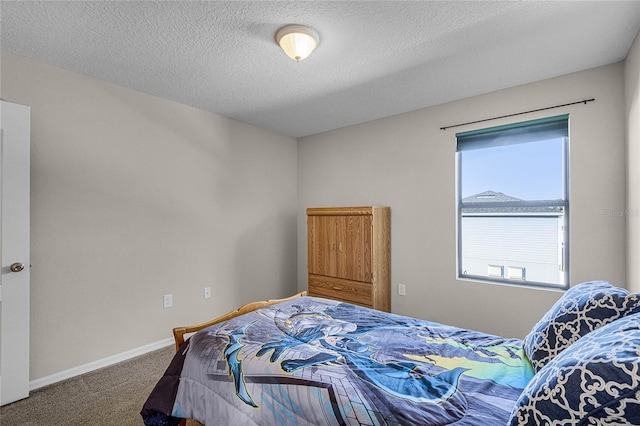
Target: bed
[(313, 361)]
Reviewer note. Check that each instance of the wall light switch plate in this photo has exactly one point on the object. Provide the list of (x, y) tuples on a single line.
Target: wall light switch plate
[(402, 289), (167, 300), (207, 292)]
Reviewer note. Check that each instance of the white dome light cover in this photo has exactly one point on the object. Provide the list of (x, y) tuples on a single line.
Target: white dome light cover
[(297, 41)]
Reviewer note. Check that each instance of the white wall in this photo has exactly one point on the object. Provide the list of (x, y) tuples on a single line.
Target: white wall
[(408, 163), (632, 113), (133, 197)]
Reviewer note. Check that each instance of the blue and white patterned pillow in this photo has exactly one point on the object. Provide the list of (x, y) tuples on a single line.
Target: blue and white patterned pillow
[(582, 309), (596, 381)]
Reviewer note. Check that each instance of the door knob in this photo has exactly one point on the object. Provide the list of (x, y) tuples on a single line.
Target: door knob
[(17, 267)]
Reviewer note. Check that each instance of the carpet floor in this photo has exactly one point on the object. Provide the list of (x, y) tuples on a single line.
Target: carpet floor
[(110, 396)]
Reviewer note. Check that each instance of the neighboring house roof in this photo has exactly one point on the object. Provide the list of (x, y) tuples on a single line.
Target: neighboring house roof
[(499, 197), (489, 196)]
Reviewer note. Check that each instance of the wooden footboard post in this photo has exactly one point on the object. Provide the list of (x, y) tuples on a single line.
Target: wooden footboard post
[(178, 336)]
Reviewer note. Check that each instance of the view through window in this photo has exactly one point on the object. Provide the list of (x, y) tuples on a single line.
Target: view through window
[(512, 201)]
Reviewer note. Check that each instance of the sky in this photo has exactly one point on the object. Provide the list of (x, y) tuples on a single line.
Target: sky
[(529, 171)]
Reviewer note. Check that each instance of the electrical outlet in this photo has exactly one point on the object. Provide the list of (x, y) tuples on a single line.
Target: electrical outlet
[(207, 292), (402, 289), (167, 300)]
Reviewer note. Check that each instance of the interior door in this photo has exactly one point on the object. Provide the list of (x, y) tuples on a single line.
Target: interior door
[(14, 283)]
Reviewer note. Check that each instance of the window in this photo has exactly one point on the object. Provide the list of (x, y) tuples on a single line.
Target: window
[(513, 204), (515, 273), (496, 271)]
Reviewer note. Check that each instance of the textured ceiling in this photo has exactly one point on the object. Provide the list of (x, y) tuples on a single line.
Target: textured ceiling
[(375, 59)]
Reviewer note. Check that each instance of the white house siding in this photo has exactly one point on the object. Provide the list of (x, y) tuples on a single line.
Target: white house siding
[(529, 242)]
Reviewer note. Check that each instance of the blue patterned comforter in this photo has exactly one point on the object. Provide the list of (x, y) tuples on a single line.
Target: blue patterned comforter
[(314, 361)]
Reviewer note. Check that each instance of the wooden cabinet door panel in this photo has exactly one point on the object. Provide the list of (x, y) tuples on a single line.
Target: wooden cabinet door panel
[(322, 259), (355, 260), (340, 246)]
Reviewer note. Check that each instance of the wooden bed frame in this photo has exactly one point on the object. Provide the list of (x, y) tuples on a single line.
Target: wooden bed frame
[(179, 332)]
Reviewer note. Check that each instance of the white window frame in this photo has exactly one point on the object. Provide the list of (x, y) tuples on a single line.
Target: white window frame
[(517, 273), (496, 271), (564, 204)]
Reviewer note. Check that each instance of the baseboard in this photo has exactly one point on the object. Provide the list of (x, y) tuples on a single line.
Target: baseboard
[(101, 363)]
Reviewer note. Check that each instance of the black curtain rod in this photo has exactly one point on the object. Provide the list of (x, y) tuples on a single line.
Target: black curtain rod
[(519, 113)]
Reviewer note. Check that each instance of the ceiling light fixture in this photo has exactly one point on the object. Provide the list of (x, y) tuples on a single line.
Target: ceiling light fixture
[(297, 41)]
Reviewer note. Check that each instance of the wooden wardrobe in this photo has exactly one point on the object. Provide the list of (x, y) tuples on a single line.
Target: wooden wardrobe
[(349, 255)]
